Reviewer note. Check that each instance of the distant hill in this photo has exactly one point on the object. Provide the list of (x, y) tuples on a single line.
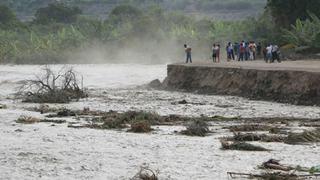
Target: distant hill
[(217, 9)]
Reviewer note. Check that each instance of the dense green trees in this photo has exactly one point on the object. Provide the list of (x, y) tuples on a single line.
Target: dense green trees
[(56, 12), (285, 12), (304, 33), (296, 21), (7, 17), (27, 8), (58, 33)]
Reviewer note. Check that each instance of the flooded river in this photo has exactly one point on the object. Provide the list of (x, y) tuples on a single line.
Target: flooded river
[(43, 151)]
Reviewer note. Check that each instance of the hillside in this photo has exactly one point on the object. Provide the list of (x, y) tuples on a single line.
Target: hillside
[(217, 9)]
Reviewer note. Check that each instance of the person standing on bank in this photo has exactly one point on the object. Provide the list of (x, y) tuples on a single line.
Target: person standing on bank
[(218, 52), (276, 53), (259, 49), (214, 52), (187, 50)]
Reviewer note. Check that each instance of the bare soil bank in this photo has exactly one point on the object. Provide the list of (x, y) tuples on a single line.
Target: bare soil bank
[(285, 85)]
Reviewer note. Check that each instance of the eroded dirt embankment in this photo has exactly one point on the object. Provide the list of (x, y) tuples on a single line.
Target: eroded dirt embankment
[(286, 86)]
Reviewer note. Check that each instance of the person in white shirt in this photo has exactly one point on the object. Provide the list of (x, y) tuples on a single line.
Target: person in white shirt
[(269, 53)]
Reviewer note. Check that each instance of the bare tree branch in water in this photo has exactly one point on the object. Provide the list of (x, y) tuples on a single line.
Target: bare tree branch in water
[(53, 87)]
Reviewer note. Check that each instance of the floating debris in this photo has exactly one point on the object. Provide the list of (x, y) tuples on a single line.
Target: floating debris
[(249, 127), (146, 173), (304, 137), (196, 128), (256, 137), (241, 146), (27, 120), (140, 127), (3, 106)]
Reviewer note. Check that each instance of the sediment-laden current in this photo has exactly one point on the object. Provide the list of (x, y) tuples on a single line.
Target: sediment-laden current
[(41, 150)]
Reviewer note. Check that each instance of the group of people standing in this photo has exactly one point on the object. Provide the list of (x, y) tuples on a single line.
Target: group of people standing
[(242, 51), (245, 51), (271, 53)]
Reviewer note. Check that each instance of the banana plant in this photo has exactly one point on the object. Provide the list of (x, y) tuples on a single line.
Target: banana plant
[(304, 33)]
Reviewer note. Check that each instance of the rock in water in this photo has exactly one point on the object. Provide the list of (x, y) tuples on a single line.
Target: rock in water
[(156, 84)]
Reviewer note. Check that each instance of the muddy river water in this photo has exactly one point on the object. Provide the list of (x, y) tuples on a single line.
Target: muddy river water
[(43, 151)]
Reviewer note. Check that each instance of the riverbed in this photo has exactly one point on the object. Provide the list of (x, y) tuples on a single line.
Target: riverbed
[(44, 151)]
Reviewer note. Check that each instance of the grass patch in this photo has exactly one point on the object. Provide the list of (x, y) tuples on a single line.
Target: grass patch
[(32, 120), (56, 121), (196, 128), (140, 121), (256, 137), (222, 118), (113, 124), (141, 127), (248, 127), (137, 116)]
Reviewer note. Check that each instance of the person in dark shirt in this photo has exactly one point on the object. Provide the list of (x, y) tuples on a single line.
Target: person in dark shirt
[(259, 48), (242, 51), (187, 50)]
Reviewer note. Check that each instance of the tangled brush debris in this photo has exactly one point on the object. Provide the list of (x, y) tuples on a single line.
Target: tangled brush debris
[(51, 87), (146, 173)]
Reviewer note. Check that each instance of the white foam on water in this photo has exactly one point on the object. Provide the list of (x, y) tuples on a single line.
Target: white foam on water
[(42, 151)]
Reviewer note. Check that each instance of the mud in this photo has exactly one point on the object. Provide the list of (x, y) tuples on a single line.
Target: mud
[(286, 86)]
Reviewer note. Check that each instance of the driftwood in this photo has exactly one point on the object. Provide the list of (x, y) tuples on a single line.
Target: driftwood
[(256, 137), (240, 146), (278, 171), (275, 165), (279, 176)]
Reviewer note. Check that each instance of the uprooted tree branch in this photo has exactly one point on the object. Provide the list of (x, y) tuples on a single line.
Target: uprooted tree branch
[(53, 87)]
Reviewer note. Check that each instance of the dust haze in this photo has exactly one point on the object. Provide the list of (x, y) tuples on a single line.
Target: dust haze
[(142, 51)]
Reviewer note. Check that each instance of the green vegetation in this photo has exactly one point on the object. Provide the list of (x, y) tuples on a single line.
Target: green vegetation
[(102, 8), (59, 33), (8, 19), (286, 12), (304, 33), (62, 33), (140, 127), (56, 13), (296, 22)]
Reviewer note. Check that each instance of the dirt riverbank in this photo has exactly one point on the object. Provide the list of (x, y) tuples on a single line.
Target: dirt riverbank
[(289, 82)]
